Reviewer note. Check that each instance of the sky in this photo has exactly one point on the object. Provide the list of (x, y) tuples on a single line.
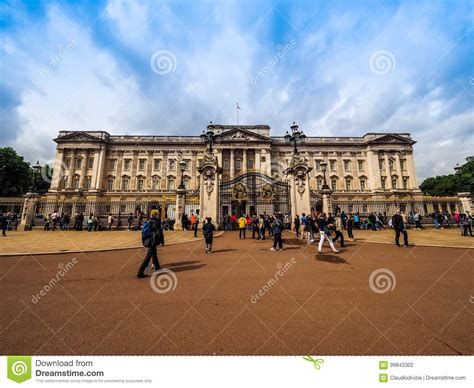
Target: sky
[(337, 68)]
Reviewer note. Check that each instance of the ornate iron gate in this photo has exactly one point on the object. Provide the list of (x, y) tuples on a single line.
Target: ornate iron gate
[(253, 193)]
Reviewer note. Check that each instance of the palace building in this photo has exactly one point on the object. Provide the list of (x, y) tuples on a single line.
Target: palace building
[(373, 172)]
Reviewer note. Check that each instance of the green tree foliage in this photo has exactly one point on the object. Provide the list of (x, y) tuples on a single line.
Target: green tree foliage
[(452, 184), (17, 177)]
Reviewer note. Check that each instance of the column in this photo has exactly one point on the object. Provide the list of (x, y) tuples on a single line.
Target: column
[(82, 180), (57, 170), (118, 169), (133, 178), (232, 168), (100, 159), (244, 161), (72, 169), (257, 160), (28, 212), (388, 182), (194, 166), (398, 170), (164, 169), (412, 171), (373, 170)]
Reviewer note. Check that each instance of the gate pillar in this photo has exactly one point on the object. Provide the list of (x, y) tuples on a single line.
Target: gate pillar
[(209, 184), (298, 172), (28, 213), (180, 207)]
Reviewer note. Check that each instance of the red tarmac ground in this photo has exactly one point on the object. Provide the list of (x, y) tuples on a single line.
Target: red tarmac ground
[(315, 304)]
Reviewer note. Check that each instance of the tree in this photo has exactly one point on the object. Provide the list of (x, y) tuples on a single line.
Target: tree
[(452, 184), (15, 173)]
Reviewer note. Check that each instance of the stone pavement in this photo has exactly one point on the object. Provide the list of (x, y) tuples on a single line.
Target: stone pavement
[(40, 242), (242, 299)]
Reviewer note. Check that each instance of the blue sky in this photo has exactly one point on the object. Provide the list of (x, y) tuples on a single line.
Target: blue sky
[(339, 68)]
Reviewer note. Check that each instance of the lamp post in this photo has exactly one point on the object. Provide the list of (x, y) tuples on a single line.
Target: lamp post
[(209, 137), (295, 137), (36, 169), (182, 167), (458, 173), (324, 166)]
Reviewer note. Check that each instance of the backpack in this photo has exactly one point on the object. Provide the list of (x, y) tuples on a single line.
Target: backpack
[(147, 234)]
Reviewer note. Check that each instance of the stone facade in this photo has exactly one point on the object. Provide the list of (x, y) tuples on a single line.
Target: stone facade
[(375, 168)]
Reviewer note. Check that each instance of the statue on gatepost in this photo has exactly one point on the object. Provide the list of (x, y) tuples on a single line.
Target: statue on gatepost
[(298, 173), (209, 172)]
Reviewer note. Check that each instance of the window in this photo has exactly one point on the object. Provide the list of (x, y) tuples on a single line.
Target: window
[(348, 184), (347, 165), (90, 163), (63, 183), (75, 182), (361, 165), (364, 208), (110, 184), (319, 183), (333, 184), (126, 164), (225, 164), (188, 164), (362, 184), (381, 164), (263, 159), (141, 164), (88, 183), (67, 161), (403, 164), (186, 183), (125, 183), (238, 165), (405, 182), (78, 162), (172, 164), (140, 184), (390, 164), (250, 163), (155, 183), (394, 182), (318, 165), (170, 184), (332, 165), (112, 164), (157, 164), (382, 181)]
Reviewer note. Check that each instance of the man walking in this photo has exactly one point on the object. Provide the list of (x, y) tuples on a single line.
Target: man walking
[(297, 223), (208, 229), (399, 226), (255, 227), (3, 225), (196, 223), (150, 240), (277, 229), (325, 231)]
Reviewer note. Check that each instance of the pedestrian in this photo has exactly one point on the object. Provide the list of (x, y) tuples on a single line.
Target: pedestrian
[(357, 220), (297, 223), (350, 226), (398, 225), (325, 233), (242, 224), (55, 219), (255, 227), (184, 222), (337, 231), (130, 221), (208, 229), (150, 240), (466, 224), (309, 228), (233, 221), (303, 224), (90, 222), (196, 223), (3, 224), (47, 221), (277, 230), (110, 222)]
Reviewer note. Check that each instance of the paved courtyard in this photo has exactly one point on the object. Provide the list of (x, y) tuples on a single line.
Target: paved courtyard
[(242, 299)]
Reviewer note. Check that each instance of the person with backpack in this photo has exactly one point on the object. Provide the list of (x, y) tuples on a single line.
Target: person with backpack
[(90, 223), (297, 223), (208, 229), (130, 221), (303, 224), (398, 225), (466, 224), (277, 230), (150, 240), (325, 233)]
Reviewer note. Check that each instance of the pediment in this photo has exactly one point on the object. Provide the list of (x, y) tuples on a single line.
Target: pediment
[(77, 137), (239, 135), (391, 138)]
